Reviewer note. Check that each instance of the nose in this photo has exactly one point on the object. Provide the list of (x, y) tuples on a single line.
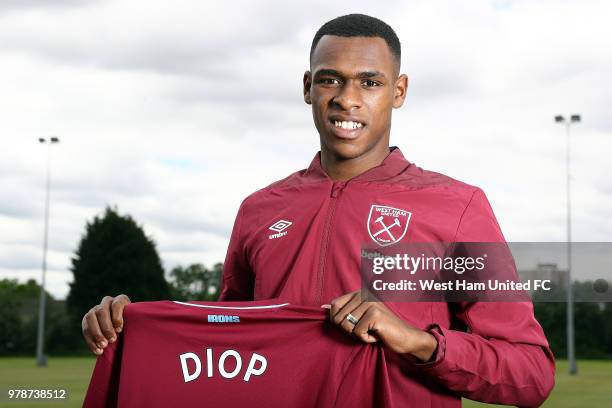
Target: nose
[(348, 97)]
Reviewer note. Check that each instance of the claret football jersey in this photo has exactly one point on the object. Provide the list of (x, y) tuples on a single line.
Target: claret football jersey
[(236, 354)]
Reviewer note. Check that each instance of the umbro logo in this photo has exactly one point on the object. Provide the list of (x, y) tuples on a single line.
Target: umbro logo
[(279, 227)]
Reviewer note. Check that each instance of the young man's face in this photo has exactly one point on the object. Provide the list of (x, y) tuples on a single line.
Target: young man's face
[(353, 79)]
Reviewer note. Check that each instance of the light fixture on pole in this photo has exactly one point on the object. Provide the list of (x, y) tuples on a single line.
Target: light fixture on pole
[(571, 347), (41, 358)]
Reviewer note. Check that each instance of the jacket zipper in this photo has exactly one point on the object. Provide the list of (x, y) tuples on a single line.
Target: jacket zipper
[(334, 195)]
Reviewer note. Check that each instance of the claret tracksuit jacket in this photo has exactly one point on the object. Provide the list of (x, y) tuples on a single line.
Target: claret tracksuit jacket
[(300, 240)]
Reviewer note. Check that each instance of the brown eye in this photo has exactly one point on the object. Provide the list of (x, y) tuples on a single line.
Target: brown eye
[(370, 83), (328, 81)]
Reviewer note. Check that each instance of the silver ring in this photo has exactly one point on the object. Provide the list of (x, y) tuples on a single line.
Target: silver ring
[(351, 318)]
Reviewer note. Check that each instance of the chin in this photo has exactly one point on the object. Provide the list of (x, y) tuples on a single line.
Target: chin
[(346, 150)]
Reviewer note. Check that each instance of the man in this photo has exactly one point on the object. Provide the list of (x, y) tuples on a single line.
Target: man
[(300, 239)]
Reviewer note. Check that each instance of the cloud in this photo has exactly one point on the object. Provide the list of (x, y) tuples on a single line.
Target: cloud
[(24, 5)]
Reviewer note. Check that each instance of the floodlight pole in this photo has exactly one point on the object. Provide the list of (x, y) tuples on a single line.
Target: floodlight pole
[(571, 346), (41, 359)]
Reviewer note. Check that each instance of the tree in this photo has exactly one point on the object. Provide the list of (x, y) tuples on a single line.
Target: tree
[(10, 318), (114, 256), (593, 330), (195, 282), (19, 320), (607, 317)]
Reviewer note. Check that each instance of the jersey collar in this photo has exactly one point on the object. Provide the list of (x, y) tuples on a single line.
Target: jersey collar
[(394, 164)]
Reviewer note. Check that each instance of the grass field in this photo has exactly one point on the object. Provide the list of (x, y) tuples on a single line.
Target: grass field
[(69, 373), (591, 388)]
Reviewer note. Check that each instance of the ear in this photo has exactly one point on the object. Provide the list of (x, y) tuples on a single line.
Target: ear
[(401, 88), (307, 84)]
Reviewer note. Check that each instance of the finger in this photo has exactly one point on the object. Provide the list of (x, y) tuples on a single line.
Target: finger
[(88, 336), (94, 348), (117, 307), (358, 311), (93, 332), (365, 328), (338, 303), (104, 318), (340, 316)]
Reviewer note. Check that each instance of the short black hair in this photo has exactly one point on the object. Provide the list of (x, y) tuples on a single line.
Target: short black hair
[(360, 25)]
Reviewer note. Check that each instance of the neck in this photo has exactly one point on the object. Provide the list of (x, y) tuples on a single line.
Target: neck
[(339, 169)]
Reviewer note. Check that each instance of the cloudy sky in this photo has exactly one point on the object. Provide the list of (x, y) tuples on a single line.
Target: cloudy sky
[(175, 111)]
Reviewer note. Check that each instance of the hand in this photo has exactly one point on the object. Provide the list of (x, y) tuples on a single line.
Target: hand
[(103, 322), (376, 322)]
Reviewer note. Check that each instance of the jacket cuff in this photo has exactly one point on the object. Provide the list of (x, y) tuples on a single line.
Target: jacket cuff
[(440, 352)]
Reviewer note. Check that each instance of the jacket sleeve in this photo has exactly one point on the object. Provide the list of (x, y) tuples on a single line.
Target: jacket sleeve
[(237, 283), (503, 357)]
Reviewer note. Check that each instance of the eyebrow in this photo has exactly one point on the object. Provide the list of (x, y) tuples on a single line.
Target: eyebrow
[(333, 72)]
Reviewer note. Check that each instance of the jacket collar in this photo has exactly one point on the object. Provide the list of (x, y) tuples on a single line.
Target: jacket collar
[(394, 164)]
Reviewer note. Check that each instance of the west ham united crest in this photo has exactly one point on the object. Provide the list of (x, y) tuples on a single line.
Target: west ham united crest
[(387, 225)]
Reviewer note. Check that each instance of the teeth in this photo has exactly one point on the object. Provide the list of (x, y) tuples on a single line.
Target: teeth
[(348, 124)]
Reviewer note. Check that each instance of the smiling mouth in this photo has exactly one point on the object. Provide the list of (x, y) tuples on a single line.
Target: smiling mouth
[(347, 129)]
